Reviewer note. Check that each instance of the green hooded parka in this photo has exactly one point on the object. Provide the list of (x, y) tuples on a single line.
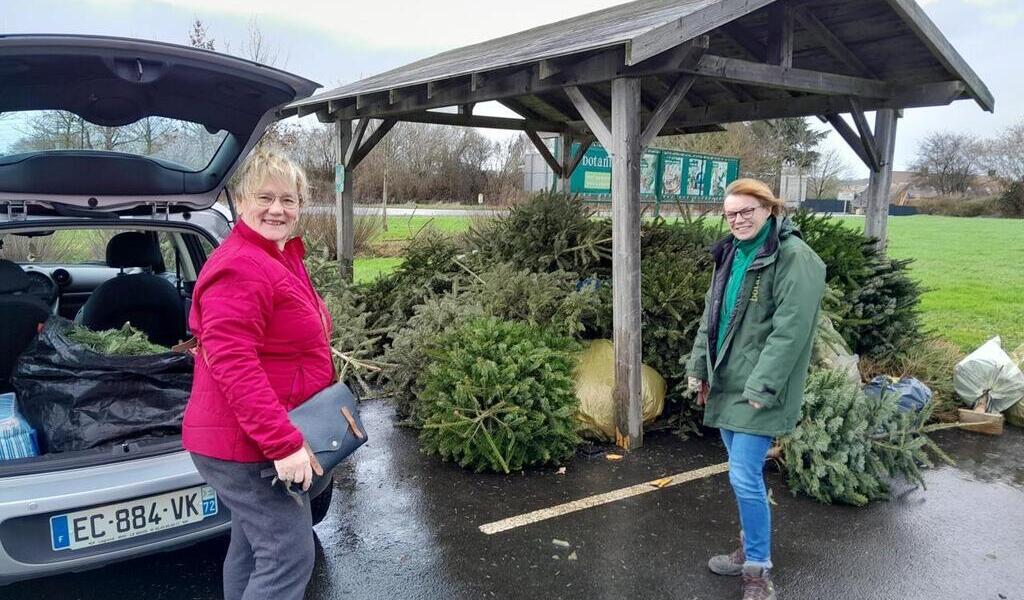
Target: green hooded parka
[(768, 340)]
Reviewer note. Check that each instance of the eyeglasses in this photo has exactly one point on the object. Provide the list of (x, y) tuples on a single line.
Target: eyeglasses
[(745, 213), (287, 201)]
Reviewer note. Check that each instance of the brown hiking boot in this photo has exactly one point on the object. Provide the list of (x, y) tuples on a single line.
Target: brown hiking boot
[(728, 564), (757, 584)]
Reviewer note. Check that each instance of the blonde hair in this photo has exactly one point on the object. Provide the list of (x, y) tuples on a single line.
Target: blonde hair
[(760, 191), (265, 164)]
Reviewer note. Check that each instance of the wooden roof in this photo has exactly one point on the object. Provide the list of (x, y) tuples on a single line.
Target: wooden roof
[(867, 54)]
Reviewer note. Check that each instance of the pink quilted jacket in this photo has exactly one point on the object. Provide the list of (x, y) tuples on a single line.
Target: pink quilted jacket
[(263, 349)]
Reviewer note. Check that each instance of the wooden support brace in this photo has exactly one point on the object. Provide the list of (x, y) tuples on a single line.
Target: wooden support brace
[(378, 134), (585, 144), (598, 126), (357, 139), (867, 137), (545, 153), (850, 137), (664, 111)]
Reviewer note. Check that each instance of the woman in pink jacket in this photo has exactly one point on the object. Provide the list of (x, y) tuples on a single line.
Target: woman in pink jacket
[(264, 348)]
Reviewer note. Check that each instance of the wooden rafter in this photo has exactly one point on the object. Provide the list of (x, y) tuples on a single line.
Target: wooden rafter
[(776, 77), (833, 44), (485, 122), (780, 34), (570, 167)]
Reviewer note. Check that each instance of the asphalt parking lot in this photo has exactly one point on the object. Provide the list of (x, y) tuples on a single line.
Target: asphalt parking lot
[(404, 525)]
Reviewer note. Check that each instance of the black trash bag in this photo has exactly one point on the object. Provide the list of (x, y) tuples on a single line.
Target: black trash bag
[(79, 399)]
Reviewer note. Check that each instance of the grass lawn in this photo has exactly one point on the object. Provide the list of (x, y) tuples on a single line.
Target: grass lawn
[(974, 269), (368, 269), (404, 228)]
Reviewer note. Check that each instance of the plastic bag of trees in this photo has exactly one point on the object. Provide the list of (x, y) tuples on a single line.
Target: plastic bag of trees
[(989, 373), (595, 382), (78, 398)]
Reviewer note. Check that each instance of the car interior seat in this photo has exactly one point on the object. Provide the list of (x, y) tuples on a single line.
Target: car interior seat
[(149, 302), (21, 314)]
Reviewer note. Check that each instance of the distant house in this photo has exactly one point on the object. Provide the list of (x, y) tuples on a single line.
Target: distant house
[(906, 186)]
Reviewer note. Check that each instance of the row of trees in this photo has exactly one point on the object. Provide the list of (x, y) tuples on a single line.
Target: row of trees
[(954, 163)]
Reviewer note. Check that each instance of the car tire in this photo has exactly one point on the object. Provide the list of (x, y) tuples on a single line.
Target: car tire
[(322, 503)]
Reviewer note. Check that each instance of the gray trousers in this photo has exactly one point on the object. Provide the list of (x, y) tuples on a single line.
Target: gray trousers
[(272, 551)]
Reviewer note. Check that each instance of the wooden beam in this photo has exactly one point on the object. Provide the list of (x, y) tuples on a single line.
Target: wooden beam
[(851, 138), (867, 137), (599, 68), (931, 94), (834, 45), (434, 88), (665, 110), (484, 122), (655, 41), (306, 110), (915, 18), (521, 109), (545, 153), (344, 196), (598, 126), (399, 94), (365, 100), (378, 134), (780, 34), (776, 77), (356, 140), (548, 68), (626, 301), (877, 212), (477, 81), (585, 144), (565, 147), (334, 106)]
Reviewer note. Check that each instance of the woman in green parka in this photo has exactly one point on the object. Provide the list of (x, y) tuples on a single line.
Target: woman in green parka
[(750, 358)]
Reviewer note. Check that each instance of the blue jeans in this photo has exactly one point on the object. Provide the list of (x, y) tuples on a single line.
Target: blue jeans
[(746, 474)]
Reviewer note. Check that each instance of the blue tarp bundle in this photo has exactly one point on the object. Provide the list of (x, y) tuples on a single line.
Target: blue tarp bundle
[(910, 394), (17, 438)]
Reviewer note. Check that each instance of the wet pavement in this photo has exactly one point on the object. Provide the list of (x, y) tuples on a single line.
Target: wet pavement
[(404, 525)]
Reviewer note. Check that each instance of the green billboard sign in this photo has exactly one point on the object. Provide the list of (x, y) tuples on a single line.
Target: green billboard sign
[(665, 174)]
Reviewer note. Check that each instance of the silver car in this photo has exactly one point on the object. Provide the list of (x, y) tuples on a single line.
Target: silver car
[(101, 136)]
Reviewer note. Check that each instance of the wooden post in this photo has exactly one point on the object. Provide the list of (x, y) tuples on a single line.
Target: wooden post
[(344, 205), (565, 141), (626, 304), (877, 213)]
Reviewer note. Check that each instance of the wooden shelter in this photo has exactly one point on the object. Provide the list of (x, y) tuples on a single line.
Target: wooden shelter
[(630, 73)]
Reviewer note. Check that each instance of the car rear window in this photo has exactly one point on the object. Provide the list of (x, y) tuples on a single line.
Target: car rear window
[(187, 146), (73, 247)]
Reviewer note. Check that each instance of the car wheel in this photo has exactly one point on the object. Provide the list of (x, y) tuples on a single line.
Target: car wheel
[(322, 503)]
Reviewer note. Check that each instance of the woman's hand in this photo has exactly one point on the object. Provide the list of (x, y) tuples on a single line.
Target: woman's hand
[(296, 468), (702, 388)]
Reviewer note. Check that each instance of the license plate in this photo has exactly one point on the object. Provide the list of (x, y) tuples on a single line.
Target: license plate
[(114, 522)]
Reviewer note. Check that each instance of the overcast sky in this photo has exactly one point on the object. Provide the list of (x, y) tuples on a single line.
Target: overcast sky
[(340, 41)]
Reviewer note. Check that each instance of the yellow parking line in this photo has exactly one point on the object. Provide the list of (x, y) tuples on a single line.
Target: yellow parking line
[(600, 499)]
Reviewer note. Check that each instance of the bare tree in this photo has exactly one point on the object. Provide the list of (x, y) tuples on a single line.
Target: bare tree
[(1003, 156), (826, 174), (947, 162)]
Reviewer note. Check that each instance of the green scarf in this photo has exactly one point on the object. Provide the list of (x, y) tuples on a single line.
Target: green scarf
[(746, 252)]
